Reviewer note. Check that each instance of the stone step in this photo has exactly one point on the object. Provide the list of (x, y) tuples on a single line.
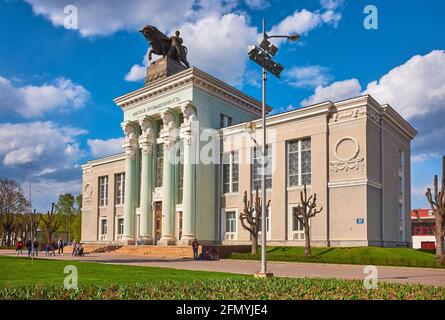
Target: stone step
[(157, 251)]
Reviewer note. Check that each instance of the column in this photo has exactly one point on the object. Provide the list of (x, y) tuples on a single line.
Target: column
[(168, 135), (146, 140), (130, 147), (188, 135)]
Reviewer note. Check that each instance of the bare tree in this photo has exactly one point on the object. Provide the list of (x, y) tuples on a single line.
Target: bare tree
[(251, 217), (305, 211), (32, 223), (51, 223), (437, 203)]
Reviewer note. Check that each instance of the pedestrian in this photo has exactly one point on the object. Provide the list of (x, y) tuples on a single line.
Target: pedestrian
[(60, 245), (36, 247), (195, 246), (53, 248), (29, 247), (74, 247), (47, 249), (19, 248)]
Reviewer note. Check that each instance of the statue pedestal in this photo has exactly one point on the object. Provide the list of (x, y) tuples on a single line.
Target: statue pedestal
[(162, 68)]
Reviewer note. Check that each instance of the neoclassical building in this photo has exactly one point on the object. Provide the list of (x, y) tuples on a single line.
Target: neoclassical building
[(192, 148)]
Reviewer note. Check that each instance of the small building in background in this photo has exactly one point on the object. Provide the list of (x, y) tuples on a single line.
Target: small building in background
[(422, 231)]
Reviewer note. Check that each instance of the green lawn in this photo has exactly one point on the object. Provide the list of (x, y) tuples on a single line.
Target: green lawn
[(357, 255), (19, 271), (19, 280)]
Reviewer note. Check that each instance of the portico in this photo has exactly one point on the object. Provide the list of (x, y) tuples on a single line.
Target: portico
[(141, 140)]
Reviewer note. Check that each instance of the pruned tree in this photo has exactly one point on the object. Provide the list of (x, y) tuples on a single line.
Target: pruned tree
[(305, 211), (32, 223), (436, 198), (251, 217), (51, 223)]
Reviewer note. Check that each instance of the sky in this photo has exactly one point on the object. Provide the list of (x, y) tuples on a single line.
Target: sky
[(58, 82)]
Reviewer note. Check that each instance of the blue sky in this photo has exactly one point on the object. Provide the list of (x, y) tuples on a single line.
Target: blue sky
[(57, 84)]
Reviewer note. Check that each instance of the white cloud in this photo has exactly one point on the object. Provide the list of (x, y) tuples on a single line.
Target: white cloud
[(217, 37), (334, 92), (415, 88), (105, 17), (303, 21), (46, 191), (331, 4), (39, 145), (34, 101), (421, 157), (102, 148), (218, 45), (257, 4), (47, 153), (308, 76)]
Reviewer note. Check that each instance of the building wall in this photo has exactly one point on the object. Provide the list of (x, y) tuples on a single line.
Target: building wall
[(91, 211), (355, 170)]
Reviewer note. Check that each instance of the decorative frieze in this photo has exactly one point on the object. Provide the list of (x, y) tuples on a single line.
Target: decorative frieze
[(348, 114), (347, 163)]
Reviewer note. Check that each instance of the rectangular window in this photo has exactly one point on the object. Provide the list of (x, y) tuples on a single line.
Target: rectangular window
[(103, 191), (231, 221), (230, 172), (225, 121), (159, 164), (103, 227), (257, 168), (267, 221), (299, 162), (120, 188), (120, 226)]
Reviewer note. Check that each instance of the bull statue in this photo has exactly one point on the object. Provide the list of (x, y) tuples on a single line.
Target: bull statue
[(164, 46)]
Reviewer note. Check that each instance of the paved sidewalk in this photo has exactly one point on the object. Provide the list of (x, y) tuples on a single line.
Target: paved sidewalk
[(425, 276)]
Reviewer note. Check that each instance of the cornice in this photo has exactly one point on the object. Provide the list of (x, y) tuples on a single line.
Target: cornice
[(104, 160), (397, 121), (298, 114), (191, 77)]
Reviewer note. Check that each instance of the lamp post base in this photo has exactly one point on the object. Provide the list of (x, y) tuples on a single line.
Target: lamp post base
[(263, 275)]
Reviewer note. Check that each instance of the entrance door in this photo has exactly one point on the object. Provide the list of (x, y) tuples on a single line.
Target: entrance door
[(158, 220), (180, 225)]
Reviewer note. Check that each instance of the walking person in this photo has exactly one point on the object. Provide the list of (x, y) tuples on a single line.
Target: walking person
[(47, 249), (36, 247), (29, 247), (74, 247), (60, 245), (53, 248), (195, 246), (19, 247)]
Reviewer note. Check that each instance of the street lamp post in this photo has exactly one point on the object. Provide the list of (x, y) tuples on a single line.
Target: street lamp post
[(263, 56)]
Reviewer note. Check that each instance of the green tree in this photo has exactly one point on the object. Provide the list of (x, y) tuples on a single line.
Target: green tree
[(68, 209)]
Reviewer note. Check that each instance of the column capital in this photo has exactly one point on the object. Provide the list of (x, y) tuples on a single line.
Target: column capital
[(188, 127), (168, 132), (146, 139), (189, 113), (130, 141)]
